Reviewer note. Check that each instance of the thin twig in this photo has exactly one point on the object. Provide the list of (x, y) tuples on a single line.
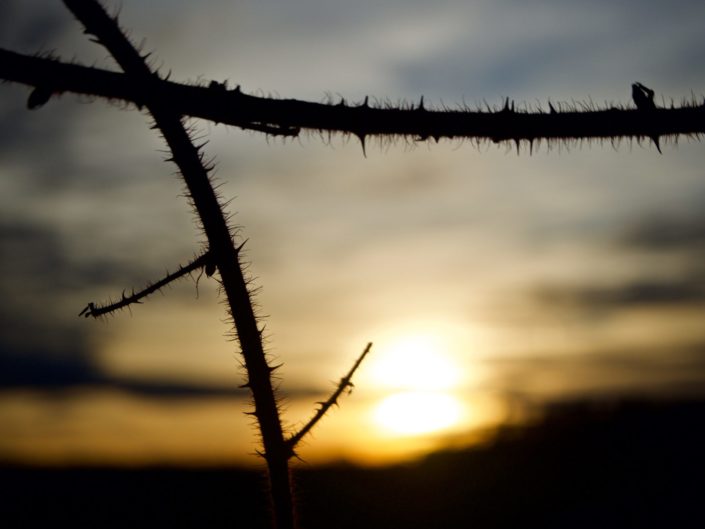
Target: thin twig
[(134, 298), (345, 382)]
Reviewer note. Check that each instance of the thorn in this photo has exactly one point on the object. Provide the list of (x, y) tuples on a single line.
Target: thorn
[(236, 89), (361, 137), (551, 109), (421, 107), (237, 249), (436, 137), (342, 102), (38, 98), (365, 103), (516, 141), (210, 266), (272, 369), (655, 139), (505, 108), (87, 310), (246, 385), (531, 146)]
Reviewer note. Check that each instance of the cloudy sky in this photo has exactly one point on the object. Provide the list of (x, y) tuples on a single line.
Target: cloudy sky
[(490, 282)]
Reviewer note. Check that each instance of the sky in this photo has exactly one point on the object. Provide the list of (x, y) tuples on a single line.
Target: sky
[(490, 282)]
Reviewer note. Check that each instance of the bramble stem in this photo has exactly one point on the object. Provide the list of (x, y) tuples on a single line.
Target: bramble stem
[(224, 253), (345, 382), (288, 116), (95, 311)]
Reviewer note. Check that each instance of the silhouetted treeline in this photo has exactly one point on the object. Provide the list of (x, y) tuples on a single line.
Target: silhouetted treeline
[(632, 464)]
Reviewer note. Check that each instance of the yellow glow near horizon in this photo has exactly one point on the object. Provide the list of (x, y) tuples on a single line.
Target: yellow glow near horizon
[(417, 412)]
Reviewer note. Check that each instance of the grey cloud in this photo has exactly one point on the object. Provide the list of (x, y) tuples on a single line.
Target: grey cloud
[(666, 370), (52, 371), (558, 49), (26, 33), (667, 234), (678, 291), (39, 283), (45, 370), (37, 264), (44, 346)]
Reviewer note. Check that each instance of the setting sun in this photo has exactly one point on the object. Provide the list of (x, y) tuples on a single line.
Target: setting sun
[(419, 412), (415, 363), (418, 375)]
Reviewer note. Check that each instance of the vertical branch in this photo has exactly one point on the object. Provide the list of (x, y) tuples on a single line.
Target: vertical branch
[(224, 253)]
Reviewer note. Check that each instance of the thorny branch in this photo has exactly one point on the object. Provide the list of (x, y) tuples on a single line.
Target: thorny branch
[(168, 102), (287, 117), (96, 311), (345, 383), (189, 160)]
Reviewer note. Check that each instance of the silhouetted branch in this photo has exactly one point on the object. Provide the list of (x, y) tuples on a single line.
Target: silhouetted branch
[(189, 160), (288, 116), (345, 382), (96, 310)]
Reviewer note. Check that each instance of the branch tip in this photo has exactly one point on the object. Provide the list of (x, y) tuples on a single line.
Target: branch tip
[(345, 383)]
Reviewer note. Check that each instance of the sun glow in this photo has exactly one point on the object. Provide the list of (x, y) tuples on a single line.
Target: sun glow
[(416, 363), (420, 374), (417, 412)]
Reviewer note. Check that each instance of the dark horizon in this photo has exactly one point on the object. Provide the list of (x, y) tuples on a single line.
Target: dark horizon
[(633, 464)]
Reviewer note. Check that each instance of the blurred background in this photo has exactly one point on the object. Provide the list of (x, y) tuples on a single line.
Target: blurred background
[(491, 283)]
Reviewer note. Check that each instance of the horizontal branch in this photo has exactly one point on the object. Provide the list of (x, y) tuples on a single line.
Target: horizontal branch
[(345, 382), (135, 297), (288, 116)]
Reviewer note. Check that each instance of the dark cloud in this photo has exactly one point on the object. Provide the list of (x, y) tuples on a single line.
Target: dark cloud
[(52, 371), (43, 344), (677, 369), (37, 267), (22, 32), (677, 291), (44, 370), (678, 237), (666, 234)]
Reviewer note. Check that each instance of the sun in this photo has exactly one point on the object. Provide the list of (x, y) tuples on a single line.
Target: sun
[(418, 376), (415, 363), (417, 412)]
